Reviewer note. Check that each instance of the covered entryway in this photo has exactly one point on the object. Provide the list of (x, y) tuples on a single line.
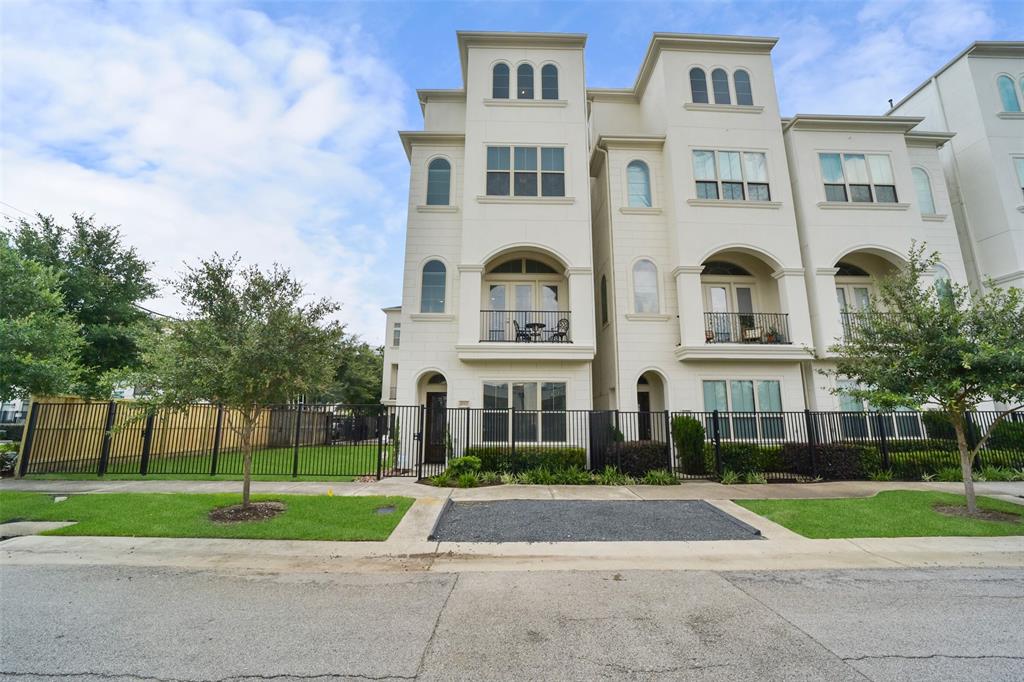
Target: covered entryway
[(433, 393)]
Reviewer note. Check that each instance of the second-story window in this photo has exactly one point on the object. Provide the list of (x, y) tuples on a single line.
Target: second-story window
[(432, 287), (439, 180), (1008, 94), (923, 186), (734, 176), (524, 82), (499, 81), (720, 86), (861, 178), (549, 82), (698, 86), (396, 334), (638, 178), (645, 287), (519, 171)]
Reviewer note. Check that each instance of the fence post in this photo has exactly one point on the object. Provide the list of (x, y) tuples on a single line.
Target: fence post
[(512, 435), (615, 439), (668, 441), (812, 437), (147, 444), (298, 437), (218, 430), (30, 433), (971, 440), (105, 443), (381, 422), (422, 439), (716, 434), (883, 443)]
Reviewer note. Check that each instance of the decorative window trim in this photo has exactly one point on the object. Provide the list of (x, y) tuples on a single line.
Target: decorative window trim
[(502, 199), (732, 203), (637, 210), (1013, 115), (648, 317), (934, 217), (539, 172), (424, 208), (862, 206), (491, 102), (724, 108), (658, 293), (431, 317), (650, 184)]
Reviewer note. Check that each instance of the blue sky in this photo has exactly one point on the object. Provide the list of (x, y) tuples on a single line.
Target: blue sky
[(269, 128)]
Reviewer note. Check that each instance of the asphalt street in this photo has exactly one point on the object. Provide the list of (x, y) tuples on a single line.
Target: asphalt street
[(120, 623)]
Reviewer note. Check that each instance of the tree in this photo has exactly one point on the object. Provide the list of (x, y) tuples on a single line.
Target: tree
[(357, 379), (102, 282), (39, 342), (247, 341), (939, 346)]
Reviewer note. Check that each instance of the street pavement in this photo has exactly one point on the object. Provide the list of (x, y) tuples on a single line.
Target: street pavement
[(113, 623)]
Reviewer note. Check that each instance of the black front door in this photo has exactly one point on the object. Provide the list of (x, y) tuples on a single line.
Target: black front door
[(643, 401), (437, 404)]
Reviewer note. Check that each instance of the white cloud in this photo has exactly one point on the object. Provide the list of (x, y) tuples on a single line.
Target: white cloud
[(200, 131)]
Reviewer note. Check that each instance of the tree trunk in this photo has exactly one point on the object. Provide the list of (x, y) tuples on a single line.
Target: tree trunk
[(246, 461), (966, 464)]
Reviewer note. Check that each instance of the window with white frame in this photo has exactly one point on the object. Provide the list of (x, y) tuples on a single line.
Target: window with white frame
[(432, 287), (720, 86), (923, 186), (524, 171), (500, 81), (645, 287), (1008, 94), (734, 176), (396, 334), (855, 421), (698, 86), (524, 82), (744, 95), (549, 82), (1018, 163), (528, 420), (638, 180), (439, 182), (863, 178), (746, 397)]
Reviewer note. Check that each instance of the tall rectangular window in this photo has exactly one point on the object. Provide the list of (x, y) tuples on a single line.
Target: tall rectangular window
[(731, 175), (499, 167), (539, 411), (495, 423), (863, 178), (552, 176), (744, 401), (396, 334), (518, 171), (1018, 163)]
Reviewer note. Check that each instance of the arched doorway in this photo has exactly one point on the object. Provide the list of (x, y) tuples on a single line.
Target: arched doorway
[(433, 393), (650, 398)]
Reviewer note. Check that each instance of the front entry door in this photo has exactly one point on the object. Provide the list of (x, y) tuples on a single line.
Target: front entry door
[(643, 401), (436, 428)]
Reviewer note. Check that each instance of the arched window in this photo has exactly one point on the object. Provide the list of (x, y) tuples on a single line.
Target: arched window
[(645, 287), (923, 185), (744, 95), (604, 300), (1008, 94), (549, 81), (698, 86), (720, 85), (638, 178), (942, 281), (432, 289), (524, 82), (499, 81), (439, 182)]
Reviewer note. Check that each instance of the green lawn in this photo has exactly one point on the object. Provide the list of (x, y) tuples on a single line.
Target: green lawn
[(316, 463), (893, 514), (307, 517)]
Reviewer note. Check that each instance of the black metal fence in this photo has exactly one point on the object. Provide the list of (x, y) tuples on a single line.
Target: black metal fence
[(375, 440)]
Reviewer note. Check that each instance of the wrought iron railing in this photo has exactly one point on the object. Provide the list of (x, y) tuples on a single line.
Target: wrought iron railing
[(526, 326), (746, 328), (854, 323)]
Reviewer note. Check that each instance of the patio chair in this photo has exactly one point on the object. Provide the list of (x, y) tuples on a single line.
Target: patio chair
[(753, 334), (521, 334), (709, 335), (561, 333)]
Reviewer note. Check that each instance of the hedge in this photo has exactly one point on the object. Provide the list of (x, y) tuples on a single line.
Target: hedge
[(637, 457), (504, 460), (1007, 436)]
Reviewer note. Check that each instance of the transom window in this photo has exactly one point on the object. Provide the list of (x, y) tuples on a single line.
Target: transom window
[(735, 176), (516, 170), (861, 178), (524, 266), (746, 396), (528, 423)]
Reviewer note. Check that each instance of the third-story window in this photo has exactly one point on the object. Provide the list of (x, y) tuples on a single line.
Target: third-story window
[(549, 81), (1008, 93), (519, 171), (734, 176), (744, 95), (396, 334), (499, 83), (645, 287), (924, 191), (432, 288), (638, 178), (698, 86), (720, 86), (858, 177), (524, 82), (439, 179)]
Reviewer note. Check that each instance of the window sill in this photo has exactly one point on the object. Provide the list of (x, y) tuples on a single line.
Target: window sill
[(934, 217), (488, 199), (437, 209), (734, 204), (491, 102), (862, 206), (639, 210), (736, 108), (432, 317), (1021, 208), (1019, 115), (648, 317)]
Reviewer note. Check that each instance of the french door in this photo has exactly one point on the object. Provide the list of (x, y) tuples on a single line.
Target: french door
[(721, 300)]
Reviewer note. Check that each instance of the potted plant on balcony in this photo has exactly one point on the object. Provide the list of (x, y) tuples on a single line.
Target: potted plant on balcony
[(772, 335)]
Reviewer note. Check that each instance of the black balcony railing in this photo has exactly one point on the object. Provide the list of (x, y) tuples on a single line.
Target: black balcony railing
[(746, 328), (854, 323), (526, 326)]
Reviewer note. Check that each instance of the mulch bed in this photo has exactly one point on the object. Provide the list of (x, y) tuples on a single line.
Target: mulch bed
[(981, 514), (256, 511)]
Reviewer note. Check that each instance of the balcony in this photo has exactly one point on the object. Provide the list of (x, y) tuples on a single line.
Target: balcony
[(746, 328), (853, 323), (525, 326)]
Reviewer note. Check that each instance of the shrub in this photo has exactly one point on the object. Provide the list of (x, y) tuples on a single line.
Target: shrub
[(467, 480), (688, 436), (754, 477), (573, 476), (612, 476), (463, 465), (949, 475), (881, 475), (1007, 436), (729, 477), (7, 460), (836, 461), (937, 425), (502, 459), (507, 478), (12, 431), (659, 477), (439, 481), (744, 457), (538, 476), (923, 445), (637, 457), (489, 478)]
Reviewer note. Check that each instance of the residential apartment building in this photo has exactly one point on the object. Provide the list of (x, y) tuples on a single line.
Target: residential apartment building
[(673, 245), (979, 95)]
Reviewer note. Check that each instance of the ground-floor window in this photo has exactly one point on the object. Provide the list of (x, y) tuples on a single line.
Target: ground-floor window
[(746, 395), (901, 422), (529, 423)]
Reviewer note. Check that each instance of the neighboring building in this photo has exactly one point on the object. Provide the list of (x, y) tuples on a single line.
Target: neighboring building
[(673, 245), (979, 95)]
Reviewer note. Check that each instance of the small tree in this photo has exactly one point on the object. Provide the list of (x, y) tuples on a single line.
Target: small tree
[(939, 345), (39, 342), (247, 341)]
